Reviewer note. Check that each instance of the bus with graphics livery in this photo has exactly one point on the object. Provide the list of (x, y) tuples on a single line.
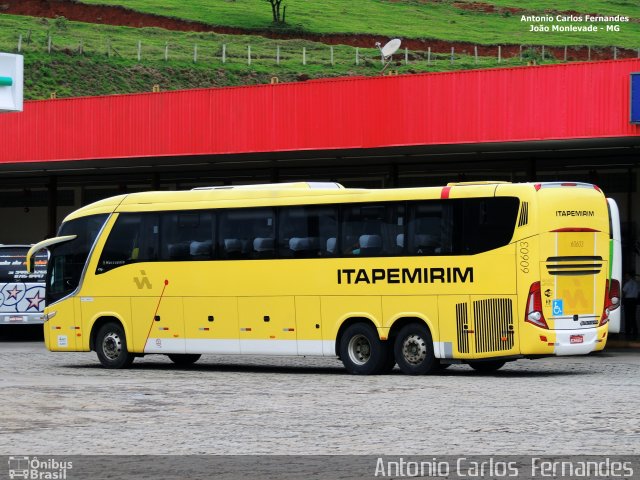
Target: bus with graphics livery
[(475, 273)]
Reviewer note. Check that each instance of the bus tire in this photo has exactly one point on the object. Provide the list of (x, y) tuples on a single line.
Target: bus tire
[(361, 350), (413, 349), (111, 346), (184, 359), (488, 366)]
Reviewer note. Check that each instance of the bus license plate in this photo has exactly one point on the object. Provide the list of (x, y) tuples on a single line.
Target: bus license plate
[(576, 339)]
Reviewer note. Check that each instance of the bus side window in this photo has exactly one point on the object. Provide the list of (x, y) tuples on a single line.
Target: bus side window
[(429, 229), (246, 233), (187, 235), (372, 229), (487, 223), (305, 230), (123, 245)]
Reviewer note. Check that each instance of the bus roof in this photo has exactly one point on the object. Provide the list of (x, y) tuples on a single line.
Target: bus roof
[(294, 193)]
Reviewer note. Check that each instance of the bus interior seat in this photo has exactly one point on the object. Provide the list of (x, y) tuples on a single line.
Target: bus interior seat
[(304, 245), (400, 240), (331, 245), (370, 244), (232, 248), (178, 251), (426, 244), (263, 246), (200, 250)]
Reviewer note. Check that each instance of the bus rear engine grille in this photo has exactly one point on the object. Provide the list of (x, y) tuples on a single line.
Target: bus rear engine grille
[(462, 319), (574, 265), (493, 324)]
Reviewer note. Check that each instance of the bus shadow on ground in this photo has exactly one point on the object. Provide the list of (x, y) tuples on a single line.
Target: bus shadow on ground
[(212, 367), (21, 333)]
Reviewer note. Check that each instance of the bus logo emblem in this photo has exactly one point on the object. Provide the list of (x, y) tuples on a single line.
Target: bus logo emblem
[(142, 281), (557, 307)]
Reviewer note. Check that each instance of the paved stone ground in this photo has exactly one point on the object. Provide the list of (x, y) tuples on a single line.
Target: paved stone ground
[(65, 403)]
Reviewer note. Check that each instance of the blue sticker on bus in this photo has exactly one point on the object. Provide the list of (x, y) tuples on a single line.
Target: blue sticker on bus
[(557, 307)]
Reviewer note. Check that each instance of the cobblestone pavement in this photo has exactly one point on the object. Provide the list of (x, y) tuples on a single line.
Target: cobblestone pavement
[(65, 403)]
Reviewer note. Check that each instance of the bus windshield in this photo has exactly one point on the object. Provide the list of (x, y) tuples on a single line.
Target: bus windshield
[(67, 259)]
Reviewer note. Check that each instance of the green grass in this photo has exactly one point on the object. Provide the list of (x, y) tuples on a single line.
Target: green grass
[(68, 73), (403, 18)]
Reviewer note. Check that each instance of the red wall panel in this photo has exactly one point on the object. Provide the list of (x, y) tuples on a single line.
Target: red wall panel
[(580, 100)]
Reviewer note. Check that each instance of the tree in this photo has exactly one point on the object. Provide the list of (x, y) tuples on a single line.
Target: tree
[(275, 10)]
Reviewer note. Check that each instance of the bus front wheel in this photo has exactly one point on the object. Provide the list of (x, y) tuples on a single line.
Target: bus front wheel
[(184, 359), (111, 347), (413, 349), (361, 350)]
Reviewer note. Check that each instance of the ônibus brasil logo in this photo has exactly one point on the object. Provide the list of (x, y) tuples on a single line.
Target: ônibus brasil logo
[(36, 469)]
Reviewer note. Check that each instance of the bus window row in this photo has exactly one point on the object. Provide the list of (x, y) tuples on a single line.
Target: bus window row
[(442, 227)]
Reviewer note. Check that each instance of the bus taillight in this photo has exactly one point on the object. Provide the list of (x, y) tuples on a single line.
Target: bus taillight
[(534, 313), (611, 300)]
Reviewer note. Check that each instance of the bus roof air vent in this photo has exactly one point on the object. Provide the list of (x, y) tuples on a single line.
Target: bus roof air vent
[(278, 186)]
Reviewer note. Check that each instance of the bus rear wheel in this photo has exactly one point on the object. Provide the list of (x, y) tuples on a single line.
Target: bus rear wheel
[(413, 349), (361, 350), (184, 359), (488, 366), (111, 347)]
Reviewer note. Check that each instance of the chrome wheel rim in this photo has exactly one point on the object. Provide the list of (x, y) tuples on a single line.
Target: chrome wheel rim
[(359, 349), (414, 349), (112, 346)]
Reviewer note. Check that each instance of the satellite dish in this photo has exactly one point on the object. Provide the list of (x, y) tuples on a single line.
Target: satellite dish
[(389, 49)]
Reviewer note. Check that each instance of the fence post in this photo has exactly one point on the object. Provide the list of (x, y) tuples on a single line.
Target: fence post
[(565, 53), (81, 47), (195, 53), (639, 53), (406, 56), (139, 50), (109, 48), (543, 52), (615, 53), (452, 55), (224, 53), (20, 43), (499, 53), (277, 54), (331, 49), (357, 57), (520, 52), (304, 55), (248, 54), (429, 56), (49, 44), (475, 54), (166, 51), (589, 56)]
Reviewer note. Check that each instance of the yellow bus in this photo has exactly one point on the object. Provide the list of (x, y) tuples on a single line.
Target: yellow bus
[(477, 273)]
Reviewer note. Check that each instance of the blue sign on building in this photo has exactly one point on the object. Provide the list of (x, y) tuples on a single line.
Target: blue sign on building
[(635, 97)]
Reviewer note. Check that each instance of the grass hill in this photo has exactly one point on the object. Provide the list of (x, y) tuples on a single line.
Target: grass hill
[(71, 58)]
